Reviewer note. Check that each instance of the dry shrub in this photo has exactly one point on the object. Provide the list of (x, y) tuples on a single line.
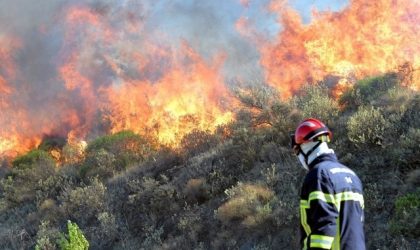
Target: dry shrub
[(84, 203), (47, 236), (247, 203), (49, 210), (198, 141), (413, 179), (196, 190), (25, 180)]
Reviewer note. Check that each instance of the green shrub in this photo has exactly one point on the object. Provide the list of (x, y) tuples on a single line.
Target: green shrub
[(108, 225), (368, 91), (406, 156), (314, 101), (113, 153), (34, 156), (153, 239), (367, 127), (100, 164), (283, 117), (52, 186), (119, 142), (46, 237), (25, 179), (406, 219), (411, 116), (75, 240)]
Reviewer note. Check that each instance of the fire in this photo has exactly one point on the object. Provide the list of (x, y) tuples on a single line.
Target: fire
[(12, 139), (7, 68), (366, 38), (110, 68), (112, 78), (188, 97)]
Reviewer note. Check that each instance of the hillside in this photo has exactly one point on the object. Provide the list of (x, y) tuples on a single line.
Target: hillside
[(236, 188)]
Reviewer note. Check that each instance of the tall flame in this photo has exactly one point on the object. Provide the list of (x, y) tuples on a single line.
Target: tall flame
[(12, 138), (107, 69), (188, 95), (367, 37)]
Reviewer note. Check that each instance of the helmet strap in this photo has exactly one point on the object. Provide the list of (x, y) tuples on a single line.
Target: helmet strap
[(306, 156)]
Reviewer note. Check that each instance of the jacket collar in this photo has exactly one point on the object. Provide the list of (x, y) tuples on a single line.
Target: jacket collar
[(321, 158)]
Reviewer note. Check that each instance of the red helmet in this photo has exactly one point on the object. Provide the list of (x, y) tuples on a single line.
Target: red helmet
[(310, 129)]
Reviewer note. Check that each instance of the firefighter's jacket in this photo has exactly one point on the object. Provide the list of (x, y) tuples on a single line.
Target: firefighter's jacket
[(331, 207)]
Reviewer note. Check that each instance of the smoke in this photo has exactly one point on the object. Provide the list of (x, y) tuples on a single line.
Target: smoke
[(208, 26), (70, 57), (87, 67)]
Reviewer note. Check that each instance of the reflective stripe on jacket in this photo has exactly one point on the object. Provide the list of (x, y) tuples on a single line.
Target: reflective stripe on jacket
[(331, 207)]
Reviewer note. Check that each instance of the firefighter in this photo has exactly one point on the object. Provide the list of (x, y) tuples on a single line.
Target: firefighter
[(331, 199)]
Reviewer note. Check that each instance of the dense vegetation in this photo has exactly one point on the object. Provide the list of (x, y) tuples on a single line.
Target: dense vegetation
[(236, 188)]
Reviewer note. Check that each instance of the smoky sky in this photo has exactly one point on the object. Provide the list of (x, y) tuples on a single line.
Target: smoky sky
[(207, 26)]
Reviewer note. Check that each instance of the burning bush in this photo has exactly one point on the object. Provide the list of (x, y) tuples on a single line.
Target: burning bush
[(161, 195)]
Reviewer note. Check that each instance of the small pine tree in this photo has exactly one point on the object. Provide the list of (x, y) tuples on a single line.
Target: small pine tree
[(75, 239)]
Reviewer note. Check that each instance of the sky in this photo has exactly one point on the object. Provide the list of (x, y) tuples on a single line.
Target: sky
[(305, 6), (209, 26)]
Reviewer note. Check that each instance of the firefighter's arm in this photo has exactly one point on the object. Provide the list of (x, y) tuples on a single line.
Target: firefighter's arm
[(321, 214)]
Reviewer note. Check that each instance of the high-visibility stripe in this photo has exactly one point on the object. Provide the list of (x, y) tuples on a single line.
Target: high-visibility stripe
[(305, 247), (317, 195), (350, 196), (334, 199), (304, 222), (321, 241), (336, 243)]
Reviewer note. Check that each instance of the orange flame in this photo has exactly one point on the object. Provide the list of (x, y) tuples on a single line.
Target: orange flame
[(188, 97), (114, 83), (12, 137), (115, 77), (366, 38), (7, 68)]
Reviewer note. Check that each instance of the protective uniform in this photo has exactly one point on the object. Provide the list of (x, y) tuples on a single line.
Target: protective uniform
[(331, 199)]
